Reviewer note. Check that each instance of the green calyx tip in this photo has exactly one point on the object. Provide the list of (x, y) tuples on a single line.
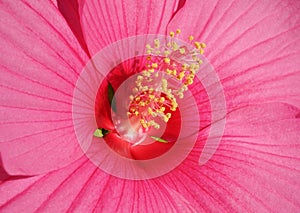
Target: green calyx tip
[(159, 139), (100, 133)]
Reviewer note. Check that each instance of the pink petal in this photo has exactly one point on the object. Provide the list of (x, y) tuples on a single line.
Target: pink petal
[(256, 166), (82, 187), (40, 63), (40, 192), (54, 2), (70, 11), (111, 21), (251, 171), (254, 47)]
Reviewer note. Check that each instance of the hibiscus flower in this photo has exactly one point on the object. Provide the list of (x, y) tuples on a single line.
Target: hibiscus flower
[(53, 98)]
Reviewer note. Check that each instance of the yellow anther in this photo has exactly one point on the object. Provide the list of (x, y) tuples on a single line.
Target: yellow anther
[(172, 34), (154, 65), (174, 106), (140, 78), (167, 53), (149, 58), (169, 93), (197, 67), (178, 31), (169, 71), (175, 46), (203, 45), (168, 115), (138, 98), (184, 66), (165, 119), (189, 81), (181, 90), (182, 50), (150, 110), (136, 113), (201, 51), (151, 70), (167, 60), (148, 51), (148, 46), (191, 38), (164, 84), (156, 126), (180, 95), (162, 109), (131, 97), (197, 45), (151, 97), (146, 73), (192, 70), (195, 58), (192, 66), (156, 43), (181, 75), (191, 76), (162, 99), (144, 124), (174, 72), (138, 84)]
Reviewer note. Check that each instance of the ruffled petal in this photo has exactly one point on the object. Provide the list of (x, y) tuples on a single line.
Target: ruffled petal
[(255, 168), (110, 21), (254, 47), (40, 63)]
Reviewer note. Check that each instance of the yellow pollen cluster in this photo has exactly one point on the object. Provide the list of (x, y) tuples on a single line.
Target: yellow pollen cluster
[(148, 105), (153, 96)]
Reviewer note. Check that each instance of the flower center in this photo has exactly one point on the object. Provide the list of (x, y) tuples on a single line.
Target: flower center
[(151, 98)]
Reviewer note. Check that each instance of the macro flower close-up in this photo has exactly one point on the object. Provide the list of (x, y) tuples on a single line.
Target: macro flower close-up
[(150, 106)]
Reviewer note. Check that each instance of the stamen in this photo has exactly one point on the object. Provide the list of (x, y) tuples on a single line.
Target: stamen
[(152, 101)]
